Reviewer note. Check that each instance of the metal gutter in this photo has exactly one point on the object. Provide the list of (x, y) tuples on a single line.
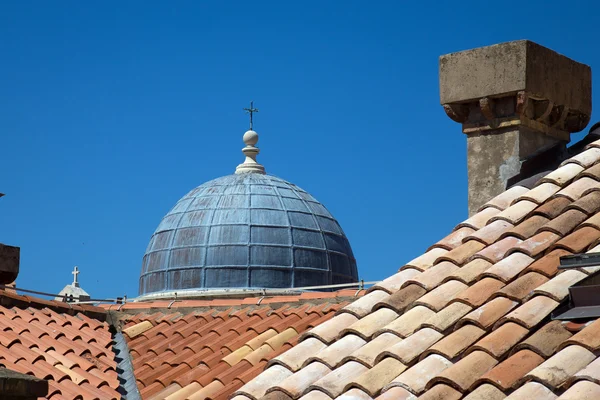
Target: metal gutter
[(127, 383)]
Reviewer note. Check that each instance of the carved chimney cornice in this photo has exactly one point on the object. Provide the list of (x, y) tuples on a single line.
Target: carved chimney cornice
[(520, 108)]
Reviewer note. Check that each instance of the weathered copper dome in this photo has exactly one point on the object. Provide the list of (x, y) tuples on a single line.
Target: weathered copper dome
[(248, 230)]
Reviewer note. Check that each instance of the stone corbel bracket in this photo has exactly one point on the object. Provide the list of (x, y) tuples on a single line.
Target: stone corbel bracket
[(521, 108)]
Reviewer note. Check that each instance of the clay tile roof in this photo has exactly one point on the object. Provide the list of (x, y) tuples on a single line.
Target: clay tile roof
[(57, 342), (471, 317), (211, 348)]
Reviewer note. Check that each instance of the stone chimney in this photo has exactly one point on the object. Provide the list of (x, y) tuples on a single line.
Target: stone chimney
[(515, 101), (9, 263)]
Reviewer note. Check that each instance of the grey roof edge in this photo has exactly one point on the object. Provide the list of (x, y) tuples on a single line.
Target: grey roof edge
[(191, 294), (127, 383)]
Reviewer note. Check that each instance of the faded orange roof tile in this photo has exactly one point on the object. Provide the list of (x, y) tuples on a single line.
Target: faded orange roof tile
[(481, 300)]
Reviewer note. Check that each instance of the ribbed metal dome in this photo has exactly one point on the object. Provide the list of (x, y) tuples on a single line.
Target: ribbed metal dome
[(246, 231)]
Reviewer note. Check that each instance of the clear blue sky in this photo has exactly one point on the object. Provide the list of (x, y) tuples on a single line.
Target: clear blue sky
[(109, 113)]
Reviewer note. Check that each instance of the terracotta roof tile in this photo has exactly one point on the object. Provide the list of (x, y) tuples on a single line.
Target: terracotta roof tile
[(364, 305), (441, 391), (592, 172), (315, 395), (523, 286), (480, 219), (491, 232), (564, 364), (578, 187), (593, 221), (527, 228), (462, 253), (258, 355), (575, 326), (297, 383), (553, 208), (329, 330), (486, 392), (487, 314), (366, 354), (368, 325), (354, 394), (395, 282), (564, 174), (590, 203), (595, 143), (456, 342), (540, 193), (508, 268), (478, 293), (295, 358), (501, 340), (465, 372), (472, 270), (582, 390), (506, 198), (532, 312), (275, 395), (508, 373), (402, 298), (548, 265), (259, 340), (208, 391), (590, 373), (371, 381), (454, 239), (396, 393), (447, 316), (532, 390), (410, 348), (439, 297), (278, 340), (516, 212), (433, 276), (333, 384), (584, 159), (416, 377), (258, 386), (332, 355), (426, 260), (588, 337), (498, 250), (557, 288), (536, 245), (564, 223)]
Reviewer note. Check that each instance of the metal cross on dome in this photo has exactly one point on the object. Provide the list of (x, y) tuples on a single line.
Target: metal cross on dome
[(251, 111)]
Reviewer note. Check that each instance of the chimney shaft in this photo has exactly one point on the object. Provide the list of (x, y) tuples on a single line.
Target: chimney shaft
[(9, 263), (514, 100)]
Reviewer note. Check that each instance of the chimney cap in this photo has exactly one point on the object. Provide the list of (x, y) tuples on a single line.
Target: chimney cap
[(520, 66)]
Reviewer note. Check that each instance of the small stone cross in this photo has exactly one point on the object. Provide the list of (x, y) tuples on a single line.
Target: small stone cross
[(75, 273)]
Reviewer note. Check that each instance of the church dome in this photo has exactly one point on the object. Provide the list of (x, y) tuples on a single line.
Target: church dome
[(249, 230)]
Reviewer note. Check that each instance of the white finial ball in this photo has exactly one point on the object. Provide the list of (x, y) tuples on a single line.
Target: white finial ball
[(250, 138)]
